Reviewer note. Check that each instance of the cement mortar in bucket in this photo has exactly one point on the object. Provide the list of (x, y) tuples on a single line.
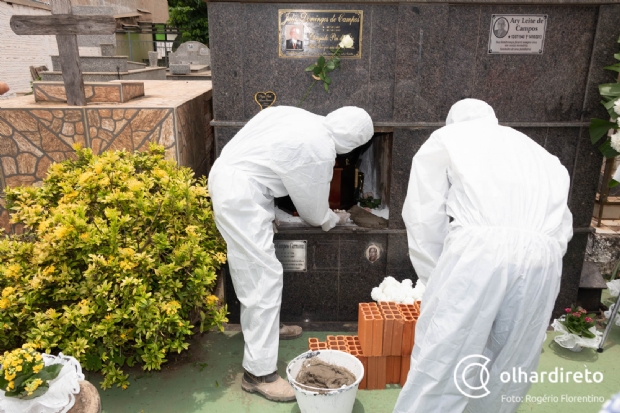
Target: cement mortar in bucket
[(326, 400)]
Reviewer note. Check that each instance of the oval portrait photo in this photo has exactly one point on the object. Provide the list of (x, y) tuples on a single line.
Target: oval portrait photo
[(500, 28), (373, 253)]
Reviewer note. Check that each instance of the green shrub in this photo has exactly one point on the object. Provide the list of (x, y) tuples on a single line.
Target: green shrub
[(117, 263)]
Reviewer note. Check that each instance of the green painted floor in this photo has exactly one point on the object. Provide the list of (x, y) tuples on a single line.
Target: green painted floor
[(207, 378)]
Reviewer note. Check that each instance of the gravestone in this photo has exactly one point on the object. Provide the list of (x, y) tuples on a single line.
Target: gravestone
[(195, 54), (180, 68), (410, 62), (153, 57)]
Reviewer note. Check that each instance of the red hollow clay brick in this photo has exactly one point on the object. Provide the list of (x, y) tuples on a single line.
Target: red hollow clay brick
[(322, 346), (366, 334), (330, 338), (382, 372), (397, 340), (396, 372), (388, 326), (407, 342), (372, 373), (404, 369), (377, 336), (364, 360), (389, 369)]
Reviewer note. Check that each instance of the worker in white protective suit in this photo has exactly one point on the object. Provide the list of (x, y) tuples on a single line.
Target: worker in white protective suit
[(487, 225), (281, 151)]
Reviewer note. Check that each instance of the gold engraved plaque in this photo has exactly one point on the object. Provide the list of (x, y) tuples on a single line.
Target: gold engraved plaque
[(314, 33)]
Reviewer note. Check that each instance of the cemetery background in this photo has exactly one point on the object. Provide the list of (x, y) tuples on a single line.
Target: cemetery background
[(40, 133)]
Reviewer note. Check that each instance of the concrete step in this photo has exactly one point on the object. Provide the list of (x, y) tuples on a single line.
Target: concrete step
[(97, 63), (135, 65), (149, 73)]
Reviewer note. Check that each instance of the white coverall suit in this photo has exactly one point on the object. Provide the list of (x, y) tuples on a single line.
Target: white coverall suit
[(281, 151), (493, 272)]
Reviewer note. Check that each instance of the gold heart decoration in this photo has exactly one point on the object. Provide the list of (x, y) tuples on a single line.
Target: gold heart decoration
[(265, 99)]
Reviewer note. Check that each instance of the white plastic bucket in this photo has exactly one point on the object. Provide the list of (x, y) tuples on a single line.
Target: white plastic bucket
[(333, 401)]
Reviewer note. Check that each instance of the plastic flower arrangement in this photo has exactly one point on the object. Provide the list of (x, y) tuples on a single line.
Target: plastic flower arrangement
[(322, 67), (24, 375), (578, 322), (610, 129)]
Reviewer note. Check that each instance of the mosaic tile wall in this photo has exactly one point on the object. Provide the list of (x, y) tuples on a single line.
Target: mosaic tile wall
[(31, 139)]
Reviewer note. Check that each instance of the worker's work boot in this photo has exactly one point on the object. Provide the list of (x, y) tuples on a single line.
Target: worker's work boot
[(272, 386), (289, 332)]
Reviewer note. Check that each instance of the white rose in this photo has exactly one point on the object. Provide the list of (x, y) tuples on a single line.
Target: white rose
[(346, 42), (615, 141), (617, 106)]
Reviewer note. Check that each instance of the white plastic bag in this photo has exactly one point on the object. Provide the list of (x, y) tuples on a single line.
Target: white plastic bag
[(572, 341), (614, 286), (608, 314), (60, 397)]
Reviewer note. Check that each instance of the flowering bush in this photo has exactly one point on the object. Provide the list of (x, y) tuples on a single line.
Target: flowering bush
[(23, 373), (578, 322), (117, 263)]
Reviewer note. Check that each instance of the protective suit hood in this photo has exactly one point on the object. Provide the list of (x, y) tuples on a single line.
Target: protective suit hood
[(470, 109), (350, 127)]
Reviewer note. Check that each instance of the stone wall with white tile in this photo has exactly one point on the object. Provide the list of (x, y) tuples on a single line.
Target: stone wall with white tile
[(18, 53)]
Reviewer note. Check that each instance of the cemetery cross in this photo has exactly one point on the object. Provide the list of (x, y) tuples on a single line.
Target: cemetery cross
[(66, 26)]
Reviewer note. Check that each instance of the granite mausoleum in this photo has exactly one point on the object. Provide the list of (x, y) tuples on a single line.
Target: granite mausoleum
[(414, 60)]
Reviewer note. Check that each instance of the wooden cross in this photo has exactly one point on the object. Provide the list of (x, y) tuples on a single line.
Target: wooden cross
[(66, 26)]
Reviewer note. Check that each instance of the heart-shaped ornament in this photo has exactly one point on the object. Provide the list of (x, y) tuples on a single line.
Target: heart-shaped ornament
[(265, 99)]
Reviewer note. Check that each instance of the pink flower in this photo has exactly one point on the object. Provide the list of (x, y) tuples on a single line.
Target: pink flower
[(567, 310), (588, 320), (577, 314)]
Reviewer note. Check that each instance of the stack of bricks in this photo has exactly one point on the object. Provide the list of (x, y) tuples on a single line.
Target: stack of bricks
[(386, 334), (348, 344)]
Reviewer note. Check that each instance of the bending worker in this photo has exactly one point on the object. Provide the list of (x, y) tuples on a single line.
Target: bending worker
[(281, 151), (487, 225)]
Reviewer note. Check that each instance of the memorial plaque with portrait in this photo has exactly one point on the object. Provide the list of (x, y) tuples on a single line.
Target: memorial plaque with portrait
[(314, 33)]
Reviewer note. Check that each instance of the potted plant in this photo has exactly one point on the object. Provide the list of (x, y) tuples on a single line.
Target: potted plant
[(578, 328)]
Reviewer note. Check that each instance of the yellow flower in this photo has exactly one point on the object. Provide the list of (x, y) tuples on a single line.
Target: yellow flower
[(62, 231), (212, 300), (134, 185), (49, 270), (18, 368), (124, 386), (4, 303), (199, 191), (126, 265), (35, 282), (85, 177), (160, 173), (13, 271), (11, 385), (220, 257), (98, 167), (85, 236), (171, 307), (7, 291)]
